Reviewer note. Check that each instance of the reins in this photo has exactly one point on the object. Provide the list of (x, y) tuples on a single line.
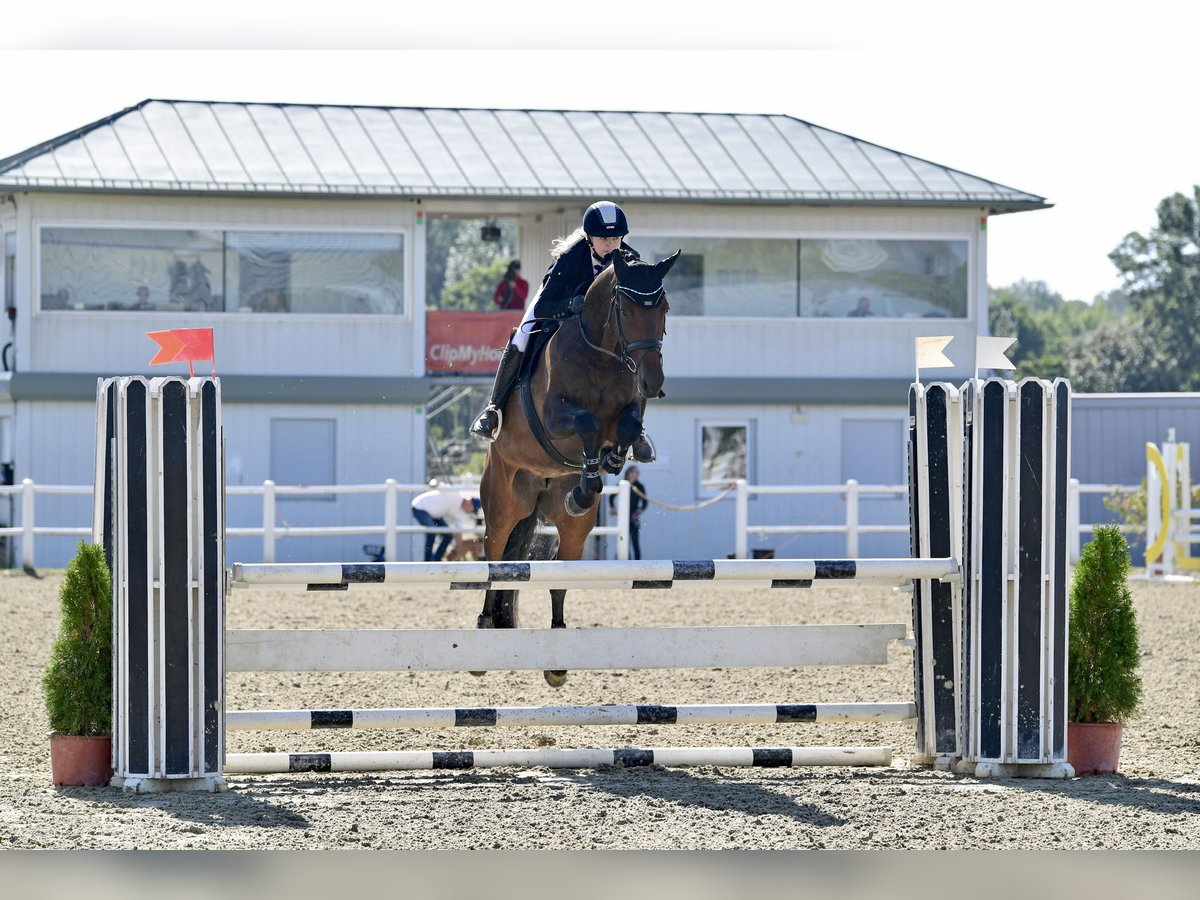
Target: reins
[(625, 347)]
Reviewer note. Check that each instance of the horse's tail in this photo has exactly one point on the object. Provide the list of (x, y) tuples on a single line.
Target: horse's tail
[(524, 543)]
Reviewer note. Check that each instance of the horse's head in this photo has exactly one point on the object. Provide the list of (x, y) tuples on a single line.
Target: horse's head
[(637, 317)]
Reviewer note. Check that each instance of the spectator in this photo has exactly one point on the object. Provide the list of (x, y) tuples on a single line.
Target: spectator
[(863, 308), (512, 290), (434, 509), (637, 503)]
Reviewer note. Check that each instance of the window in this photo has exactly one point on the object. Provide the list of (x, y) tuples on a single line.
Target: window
[(724, 454), (815, 278), (150, 270)]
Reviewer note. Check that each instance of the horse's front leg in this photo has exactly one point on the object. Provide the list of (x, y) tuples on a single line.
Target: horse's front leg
[(570, 419), (629, 426)]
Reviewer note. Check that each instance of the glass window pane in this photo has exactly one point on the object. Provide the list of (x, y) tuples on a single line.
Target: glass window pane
[(724, 454), (315, 273), (123, 269), (885, 279), (728, 276), (465, 260)]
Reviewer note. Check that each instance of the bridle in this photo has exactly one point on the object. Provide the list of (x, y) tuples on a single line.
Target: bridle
[(626, 348)]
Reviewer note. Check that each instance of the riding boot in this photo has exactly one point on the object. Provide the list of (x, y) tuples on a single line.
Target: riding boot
[(487, 425), (643, 448)]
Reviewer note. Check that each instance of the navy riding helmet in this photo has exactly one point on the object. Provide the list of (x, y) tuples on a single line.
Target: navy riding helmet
[(605, 219)]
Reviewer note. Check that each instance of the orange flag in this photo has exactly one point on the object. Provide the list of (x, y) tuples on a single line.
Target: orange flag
[(183, 345)]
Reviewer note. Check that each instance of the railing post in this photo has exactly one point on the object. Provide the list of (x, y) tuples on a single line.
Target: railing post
[(389, 520), (623, 507), (851, 519), (27, 523), (269, 521), (741, 520), (1073, 533)]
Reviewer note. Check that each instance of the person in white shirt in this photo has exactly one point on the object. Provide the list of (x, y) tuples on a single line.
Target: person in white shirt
[(435, 509)]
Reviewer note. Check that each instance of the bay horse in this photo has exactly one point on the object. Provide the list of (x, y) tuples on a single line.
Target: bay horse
[(577, 413)]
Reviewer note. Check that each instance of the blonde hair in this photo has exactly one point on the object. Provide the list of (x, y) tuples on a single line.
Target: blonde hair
[(559, 246)]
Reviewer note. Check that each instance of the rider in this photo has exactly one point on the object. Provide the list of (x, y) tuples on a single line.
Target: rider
[(578, 259)]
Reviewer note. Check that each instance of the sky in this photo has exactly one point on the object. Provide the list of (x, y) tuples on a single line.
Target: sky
[(1090, 106)]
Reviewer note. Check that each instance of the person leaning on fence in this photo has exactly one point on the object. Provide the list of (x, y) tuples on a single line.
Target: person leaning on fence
[(436, 509), (578, 259)]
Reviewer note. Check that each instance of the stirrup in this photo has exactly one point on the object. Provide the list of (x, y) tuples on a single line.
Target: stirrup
[(477, 426), (643, 449)]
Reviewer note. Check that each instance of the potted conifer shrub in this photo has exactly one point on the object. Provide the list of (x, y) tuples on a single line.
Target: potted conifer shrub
[(78, 679), (1104, 687)]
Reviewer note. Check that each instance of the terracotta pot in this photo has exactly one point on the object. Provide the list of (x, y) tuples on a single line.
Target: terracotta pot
[(80, 761), (1094, 748)]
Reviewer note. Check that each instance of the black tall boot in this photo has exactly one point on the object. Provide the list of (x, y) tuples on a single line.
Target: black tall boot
[(643, 449), (487, 425)]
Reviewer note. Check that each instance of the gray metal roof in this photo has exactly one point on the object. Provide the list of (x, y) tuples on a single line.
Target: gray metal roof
[(296, 149)]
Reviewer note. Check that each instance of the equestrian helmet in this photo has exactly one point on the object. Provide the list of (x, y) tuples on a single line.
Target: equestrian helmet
[(605, 219)]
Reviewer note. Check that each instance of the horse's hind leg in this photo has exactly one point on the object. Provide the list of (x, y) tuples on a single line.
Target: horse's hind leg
[(572, 535), (558, 600)]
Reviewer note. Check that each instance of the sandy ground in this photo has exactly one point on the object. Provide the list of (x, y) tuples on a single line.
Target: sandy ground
[(1152, 803)]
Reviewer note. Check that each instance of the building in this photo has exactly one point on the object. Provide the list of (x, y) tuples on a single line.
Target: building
[(303, 236)]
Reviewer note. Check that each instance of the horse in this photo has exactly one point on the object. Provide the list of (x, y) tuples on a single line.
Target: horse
[(577, 413)]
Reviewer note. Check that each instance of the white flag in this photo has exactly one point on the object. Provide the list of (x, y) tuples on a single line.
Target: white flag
[(930, 355), (989, 353)]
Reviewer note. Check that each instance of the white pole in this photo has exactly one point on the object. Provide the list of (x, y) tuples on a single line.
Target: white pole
[(27, 523), (1073, 534), (741, 521), (623, 509), (268, 521), (851, 518), (389, 520)]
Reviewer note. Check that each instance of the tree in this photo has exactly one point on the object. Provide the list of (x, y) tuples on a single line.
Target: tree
[(1161, 274), (1046, 326)]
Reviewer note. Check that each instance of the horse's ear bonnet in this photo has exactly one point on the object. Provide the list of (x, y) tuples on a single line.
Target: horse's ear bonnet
[(642, 282)]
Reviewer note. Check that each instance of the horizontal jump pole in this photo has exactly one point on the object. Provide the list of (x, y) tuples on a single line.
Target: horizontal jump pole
[(628, 757), (559, 648), (536, 716), (647, 573)]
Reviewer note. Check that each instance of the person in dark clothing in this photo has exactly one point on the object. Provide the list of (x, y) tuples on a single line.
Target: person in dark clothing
[(637, 504), (578, 259), (512, 290)]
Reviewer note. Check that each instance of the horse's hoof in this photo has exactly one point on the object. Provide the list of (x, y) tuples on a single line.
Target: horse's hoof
[(484, 622), (555, 679), (574, 507), (614, 462)]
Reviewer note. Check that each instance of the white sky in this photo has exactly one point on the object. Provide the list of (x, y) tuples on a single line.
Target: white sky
[(1091, 105)]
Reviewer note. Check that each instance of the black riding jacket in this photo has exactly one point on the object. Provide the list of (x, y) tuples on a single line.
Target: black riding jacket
[(569, 275)]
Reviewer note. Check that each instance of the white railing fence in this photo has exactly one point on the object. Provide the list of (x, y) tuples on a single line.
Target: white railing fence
[(270, 529), (19, 520)]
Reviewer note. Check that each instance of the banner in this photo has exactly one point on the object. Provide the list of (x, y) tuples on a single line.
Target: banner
[(466, 343)]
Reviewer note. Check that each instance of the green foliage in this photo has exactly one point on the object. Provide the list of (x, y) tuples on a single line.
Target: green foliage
[(1104, 685), (1130, 506), (1048, 328), (1161, 274), (78, 679), (474, 288)]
